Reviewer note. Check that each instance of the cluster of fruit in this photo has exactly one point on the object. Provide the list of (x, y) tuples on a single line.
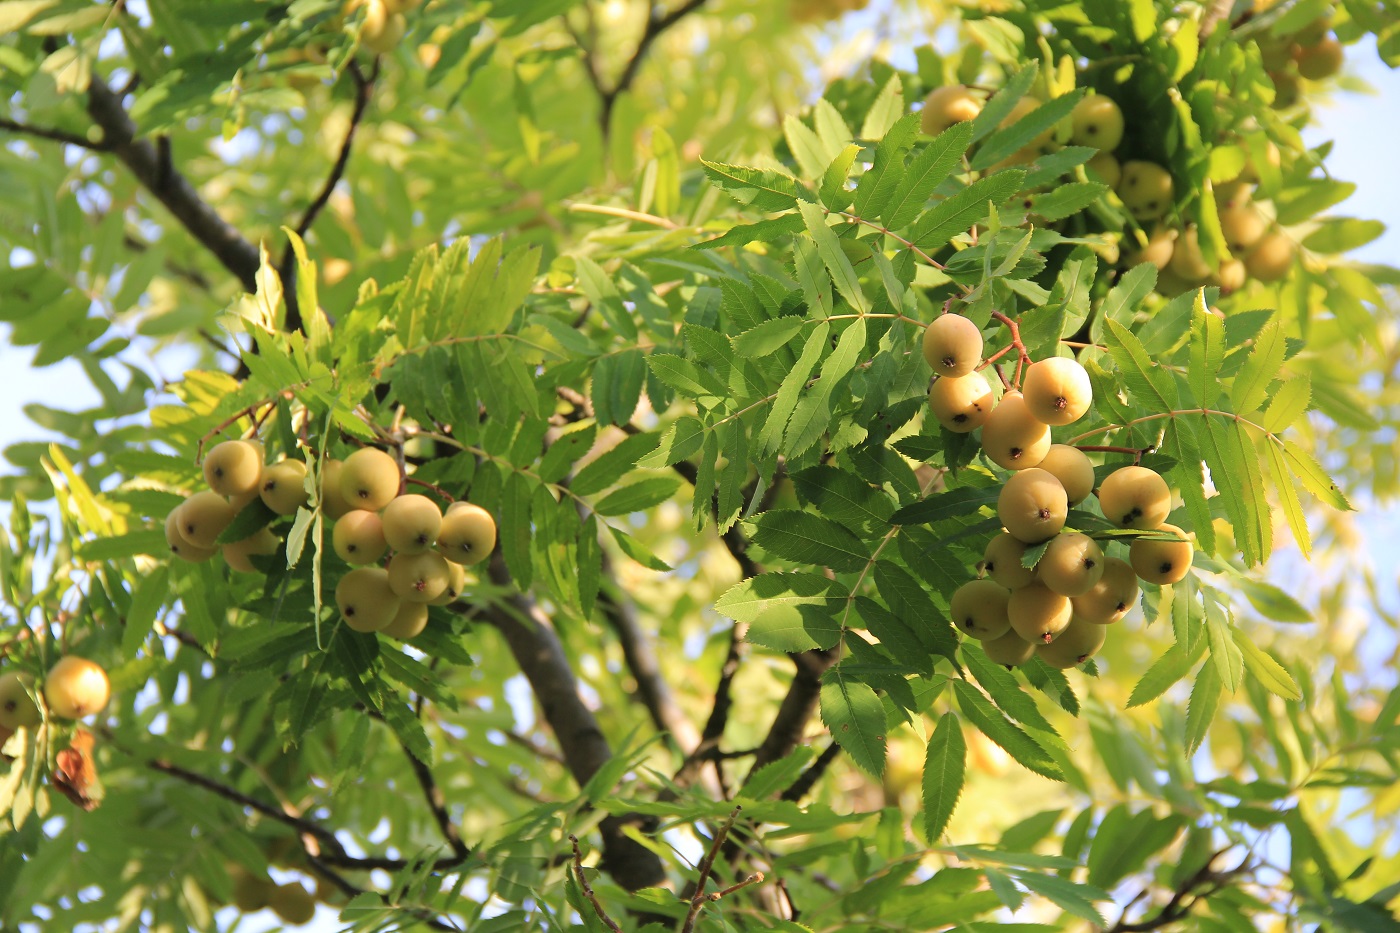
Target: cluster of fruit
[(1258, 250), (74, 688), (384, 24), (1312, 53), (290, 901), (819, 11), (364, 496), (1058, 606)]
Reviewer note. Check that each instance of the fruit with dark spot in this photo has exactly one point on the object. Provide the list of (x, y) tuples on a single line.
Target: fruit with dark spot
[(952, 345), (410, 620), (261, 542), (365, 599), (419, 578), (1097, 122), (359, 537), (1105, 168), (961, 404), (181, 546), (333, 501), (234, 468), (1071, 565), (1057, 390), (1135, 497), (17, 708), (1002, 560), (1072, 467), (1271, 258), (76, 687), (284, 487), (978, 608), (1037, 613), (456, 583), (1112, 597), (1162, 560), (1009, 650), (293, 903), (1145, 189), (944, 106), (1188, 262), (1243, 226), (1079, 642), (468, 534), (203, 517), (1013, 438), (1321, 60), (369, 479), (1032, 506), (411, 524)]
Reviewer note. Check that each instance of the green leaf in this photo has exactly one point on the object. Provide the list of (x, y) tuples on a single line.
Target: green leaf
[(809, 539), (1074, 898), (1167, 670), (959, 212), (833, 257), (1124, 299), (814, 411), (1063, 200), (896, 634), (776, 777), (856, 718), (762, 190), (1228, 662), (886, 111), (681, 440), (611, 466), (787, 611), (617, 386), (1342, 234), (1207, 353), (793, 384), (1288, 404), (930, 168), (1146, 381), (1272, 602), (1266, 669), (638, 496), (945, 766), (145, 603), (764, 339), (965, 500), (1017, 743), (636, 550), (843, 496), (1288, 498), (1009, 140), (876, 186), (1314, 479), (764, 231), (1251, 385), (834, 193), (1001, 685), (806, 147), (604, 296), (117, 547), (565, 451), (515, 529), (685, 376), (1200, 709)]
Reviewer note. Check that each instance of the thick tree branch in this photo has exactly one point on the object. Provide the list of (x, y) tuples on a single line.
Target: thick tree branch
[(799, 704), (535, 645), (1204, 882), (808, 779), (49, 133), (152, 167)]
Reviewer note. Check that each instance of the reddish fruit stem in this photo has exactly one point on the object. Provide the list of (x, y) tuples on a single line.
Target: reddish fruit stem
[(427, 485), (1137, 452), (1022, 356)]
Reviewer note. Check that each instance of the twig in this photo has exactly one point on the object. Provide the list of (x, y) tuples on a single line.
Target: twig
[(808, 779), (588, 888), (656, 25), (437, 802), (699, 898), (51, 134), (1185, 897), (427, 485)]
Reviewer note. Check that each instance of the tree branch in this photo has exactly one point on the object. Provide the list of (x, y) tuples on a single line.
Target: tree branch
[(437, 803), (152, 168), (808, 779), (51, 134), (790, 723), (656, 25), (1199, 886)]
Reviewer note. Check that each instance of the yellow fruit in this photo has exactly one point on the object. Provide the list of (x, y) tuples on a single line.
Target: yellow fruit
[(203, 517), (1071, 564), (1079, 642), (293, 903), (366, 601), (359, 537), (17, 708), (1057, 390), (978, 608), (1112, 597), (952, 345), (1002, 560), (1106, 168), (411, 619), (1135, 497), (1013, 438), (1188, 262), (233, 468), (1146, 189), (961, 404), (468, 534), (1319, 61), (419, 578), (947, 105), (333, 501), (236, 554), (76, 687), (369, 479), (457, 581), (1032, 506), (411, 524), (1232, 276), (1158, 250), (1271, 259), (179, 545), (1162, 560), (1243, 226), (1010, 650), (284, 487), (1072, 467), (1097, 122), (250, 892), (1038, 614), (383, 29)]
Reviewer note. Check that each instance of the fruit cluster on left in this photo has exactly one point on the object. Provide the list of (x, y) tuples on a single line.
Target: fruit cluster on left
[(73, 689)]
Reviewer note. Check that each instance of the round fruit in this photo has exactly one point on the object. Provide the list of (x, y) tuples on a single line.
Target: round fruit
[(1243, 226), (1188, 262), (293, 903), (1013, 438), (1110, 599), (1072, 467), (961, 404), (359, 537), (1107, 168), (369, 479), (76, 687), (947, 105), (1038, 614), (233, 468), (1079, 642), (419, 578), (1135, 497), (1146, 189), (1319, 61), (1232, 275), (17, 708), (284, 487), (1032, 506), (1010, 649), (365, 599), (203, 517), (1271, 259), (411, 524), (383, 29), (333, 502), (1097, 122), (1287, 89), (236, 554), (1158, 251), (411, 619), (952, 345), (1071, 564), (457, 582), (978, 608), (468, 534), (1162, 560), (1057, 390), (1002, 560), (179, 546), (250, 893)]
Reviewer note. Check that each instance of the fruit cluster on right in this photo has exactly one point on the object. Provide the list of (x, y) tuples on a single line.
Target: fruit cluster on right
[(1046, 592), (364, 496)]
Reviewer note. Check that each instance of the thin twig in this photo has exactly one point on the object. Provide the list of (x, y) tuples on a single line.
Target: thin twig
[(808, 779), (51, 134), (656, 25), (698, 899), (588, 888), (437, 802)]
